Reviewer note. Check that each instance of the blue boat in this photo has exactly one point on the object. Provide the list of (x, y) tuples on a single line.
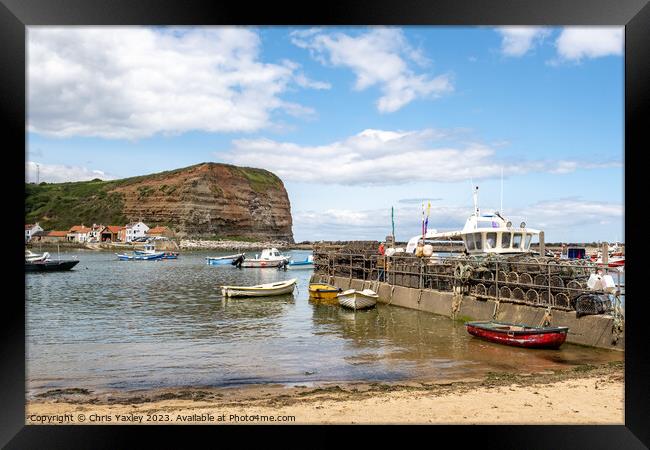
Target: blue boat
[(141, 257), (222, 260), (308, 263), (166, 255)]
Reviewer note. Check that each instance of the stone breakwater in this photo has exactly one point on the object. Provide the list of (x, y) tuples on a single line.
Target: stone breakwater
[(197, 244)]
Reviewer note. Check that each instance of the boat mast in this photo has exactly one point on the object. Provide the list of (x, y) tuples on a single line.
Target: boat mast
[(475, 195), (501, 207)]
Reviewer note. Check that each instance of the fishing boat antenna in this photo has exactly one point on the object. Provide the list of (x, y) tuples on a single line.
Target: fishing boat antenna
[(501, 207), (475, 195)]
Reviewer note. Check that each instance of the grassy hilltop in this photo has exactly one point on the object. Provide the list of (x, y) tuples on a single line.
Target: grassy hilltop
[(61, 205)]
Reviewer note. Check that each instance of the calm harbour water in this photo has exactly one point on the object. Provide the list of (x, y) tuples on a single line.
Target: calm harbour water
[(110, 324)]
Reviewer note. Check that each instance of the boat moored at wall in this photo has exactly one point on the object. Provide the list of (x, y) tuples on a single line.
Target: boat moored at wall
[(323, 292), (355, 299), (518, 335)]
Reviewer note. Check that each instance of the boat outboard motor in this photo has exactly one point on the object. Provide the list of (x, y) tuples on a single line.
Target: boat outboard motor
[(283, 265), (238, 261)]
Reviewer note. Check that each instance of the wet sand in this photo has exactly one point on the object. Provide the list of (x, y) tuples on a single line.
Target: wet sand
[(583, 395)]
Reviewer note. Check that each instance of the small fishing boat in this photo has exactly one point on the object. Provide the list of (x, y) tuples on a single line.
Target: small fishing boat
[(261, 290), (140, 257), (357, 299), (518, 335), (222, 260), (612, 261), (150, 249), (49, 265), (322, 291), (308, 263), (271, 257)]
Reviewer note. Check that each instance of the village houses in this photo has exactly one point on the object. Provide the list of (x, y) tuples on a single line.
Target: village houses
[(97, 233)]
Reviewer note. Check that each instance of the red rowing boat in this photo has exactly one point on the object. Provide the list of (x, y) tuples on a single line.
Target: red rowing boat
[(518, 335)]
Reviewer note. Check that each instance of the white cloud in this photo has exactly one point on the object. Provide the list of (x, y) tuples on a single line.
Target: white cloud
[(379, 157), (576, 43), (57, 173), (568, 213), (519, 40), (134, 82), (344, 224), (557, 218), (379, 57)]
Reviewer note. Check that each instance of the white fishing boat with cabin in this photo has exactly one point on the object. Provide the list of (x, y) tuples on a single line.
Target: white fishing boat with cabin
[(354, 299), (261, 290), (485, 234), (270, 257)]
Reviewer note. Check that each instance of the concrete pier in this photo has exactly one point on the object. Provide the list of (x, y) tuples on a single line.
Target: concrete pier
[(591, 330)]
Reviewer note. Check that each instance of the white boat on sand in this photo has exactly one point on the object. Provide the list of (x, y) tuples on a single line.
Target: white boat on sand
[(261, 290), (358, 299)]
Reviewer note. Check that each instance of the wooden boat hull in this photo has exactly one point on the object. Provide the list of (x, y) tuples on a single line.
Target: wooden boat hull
[(354, 299), (517, 335), (49, 266), (323, 292), (261, 290)]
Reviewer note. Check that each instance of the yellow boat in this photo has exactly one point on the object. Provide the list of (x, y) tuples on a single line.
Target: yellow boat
[(322, 291)]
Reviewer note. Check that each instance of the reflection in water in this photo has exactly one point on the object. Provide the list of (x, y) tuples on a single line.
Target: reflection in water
[(137, 324)]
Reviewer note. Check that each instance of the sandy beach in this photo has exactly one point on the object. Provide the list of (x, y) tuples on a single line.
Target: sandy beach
[(583, 395)]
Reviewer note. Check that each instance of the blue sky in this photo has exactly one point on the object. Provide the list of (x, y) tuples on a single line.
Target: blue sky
[(353, 119)]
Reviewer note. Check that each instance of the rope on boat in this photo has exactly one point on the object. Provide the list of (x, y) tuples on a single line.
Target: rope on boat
[(392, 289), (548, 316), (420, 296)]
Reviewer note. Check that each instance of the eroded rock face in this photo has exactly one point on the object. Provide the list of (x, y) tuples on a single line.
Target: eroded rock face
[(212, 200)]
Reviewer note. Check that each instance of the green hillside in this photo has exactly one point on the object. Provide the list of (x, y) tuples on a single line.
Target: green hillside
[(58, 206)]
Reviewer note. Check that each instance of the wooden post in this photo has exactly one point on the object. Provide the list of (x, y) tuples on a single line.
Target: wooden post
[(605, 252), (542, 245)]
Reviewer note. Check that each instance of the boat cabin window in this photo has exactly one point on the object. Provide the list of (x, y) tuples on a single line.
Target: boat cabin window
[(505, 240), (478, 240), (529, 237), (485, 224), (490, 240), (469, 241), (516, 240)]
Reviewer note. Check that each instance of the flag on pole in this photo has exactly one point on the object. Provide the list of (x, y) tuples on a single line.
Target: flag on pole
[(423, 220), (426, 222)]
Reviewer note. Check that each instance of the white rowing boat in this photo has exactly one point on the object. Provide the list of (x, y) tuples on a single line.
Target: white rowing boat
[(261, 290), (357, 299)]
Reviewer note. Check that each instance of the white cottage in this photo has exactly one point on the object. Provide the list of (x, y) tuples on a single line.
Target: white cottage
[(78, 233), (30, 229), (135, 230)]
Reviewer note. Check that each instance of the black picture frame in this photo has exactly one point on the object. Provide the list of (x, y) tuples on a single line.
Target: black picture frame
[(16, 15)]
